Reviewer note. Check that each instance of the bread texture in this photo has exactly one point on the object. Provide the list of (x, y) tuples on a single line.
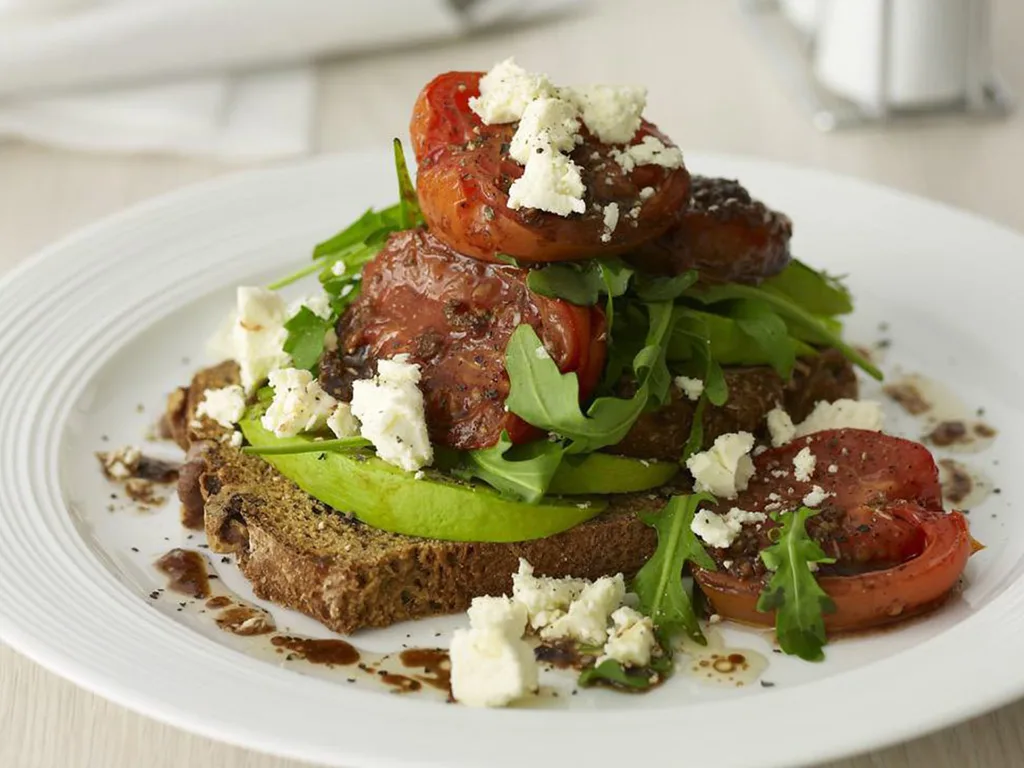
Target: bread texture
[(300, 553)]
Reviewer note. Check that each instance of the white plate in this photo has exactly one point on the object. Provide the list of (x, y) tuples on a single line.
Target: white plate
[(102, 322)]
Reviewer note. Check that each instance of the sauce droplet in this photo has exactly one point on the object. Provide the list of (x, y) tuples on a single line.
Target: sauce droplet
[(186, 572)]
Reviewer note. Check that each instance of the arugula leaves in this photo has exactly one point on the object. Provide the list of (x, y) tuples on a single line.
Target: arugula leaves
[(818, 293), (611, 672), (659, 583), (762, 325), (409, 213), (545, 397), (521, 471), (305, 341), (582, 283), (793, 593), (650, 288)]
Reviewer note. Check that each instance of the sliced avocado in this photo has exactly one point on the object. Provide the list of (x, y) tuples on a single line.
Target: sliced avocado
[(603, 473), (435, 507)]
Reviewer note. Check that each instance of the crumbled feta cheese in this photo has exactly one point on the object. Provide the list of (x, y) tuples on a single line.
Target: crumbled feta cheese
[(235, 441), (391, 411), (541, 353), (815, 496), (299, 404), (341, 421), (611, 221), (330, 340), (650, 151), (419, 474), (804, 464), (319, 304), (587, 617), (720, 531), (833, 468), (338, 268), (610, 112), (631, 640), (780, 426), (692, 388), (547, 125), (506, 90), (502, 613), (226, 405), (546, 599), (646, 193), (550, 182), (858, 414), (489, 668), (122, 463), (254, 335), (724, 469)]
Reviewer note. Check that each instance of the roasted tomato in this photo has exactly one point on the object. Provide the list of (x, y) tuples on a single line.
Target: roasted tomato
[(897, 553), (454, 315), (724, 234), (465, 173)]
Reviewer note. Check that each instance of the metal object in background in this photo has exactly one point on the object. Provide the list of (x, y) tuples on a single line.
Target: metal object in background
[(791, 31)]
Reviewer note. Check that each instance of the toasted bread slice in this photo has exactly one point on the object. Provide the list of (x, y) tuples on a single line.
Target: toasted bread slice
[(300, 553)]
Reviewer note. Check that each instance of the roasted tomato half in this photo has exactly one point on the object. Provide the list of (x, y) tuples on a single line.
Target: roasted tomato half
[(897, 552), (465, 173), (725, 234), (454, 315)]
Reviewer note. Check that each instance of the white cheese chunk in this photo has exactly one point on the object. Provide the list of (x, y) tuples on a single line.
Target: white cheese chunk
[(587, 618), (611, 221), (692, 388), (858, 414), (545, 599), (501, 613), (254, 335), (319, 304), (724, 469), (390, 410), (646, 193), (780, 426), (299, 404), (720, 531), (610, 112), (489, 668), (226, 405), (804, 464), (631, 640), (547, 125), (550, 182), (506, 90), (341, 421), (650, 151), (815, 496)]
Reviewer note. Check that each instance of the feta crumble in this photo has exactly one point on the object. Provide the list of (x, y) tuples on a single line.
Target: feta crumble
[(501, 613), (489, 668), (505, 92), (650, 151), (780, 426), (804, 464), (550, 182), (547, 125), (342, 423), (338, 268), (226, 405), (692, 388), (720, 531), (646, 193), (390, 410), (319, 304), (631, 640), (724, 469), (254, 335), (611, 221), (610, 112), (587, 618), (858, 414), (545, 599), (815, 496), (299, 404)]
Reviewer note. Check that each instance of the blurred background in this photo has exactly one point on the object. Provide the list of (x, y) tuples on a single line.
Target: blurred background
[(106, 102)]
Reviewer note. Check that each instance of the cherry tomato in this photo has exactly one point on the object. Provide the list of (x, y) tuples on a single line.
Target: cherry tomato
[(465, 173)]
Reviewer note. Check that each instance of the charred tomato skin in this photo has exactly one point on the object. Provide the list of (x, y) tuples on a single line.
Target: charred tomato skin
[(898, 553), (465, 174), (453, 315)]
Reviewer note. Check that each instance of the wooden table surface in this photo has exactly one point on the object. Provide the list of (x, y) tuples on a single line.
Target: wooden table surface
[(711, 88)]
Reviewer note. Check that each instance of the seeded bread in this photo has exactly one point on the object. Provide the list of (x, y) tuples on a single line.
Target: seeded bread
[(300, 553)]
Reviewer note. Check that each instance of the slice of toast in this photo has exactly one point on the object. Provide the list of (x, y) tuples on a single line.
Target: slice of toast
[(300, 553)]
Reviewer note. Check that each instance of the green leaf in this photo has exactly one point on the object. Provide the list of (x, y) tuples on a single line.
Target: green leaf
[(663, 288), (521, 471), (548, 399), (357, 232), (615, 274), (793, 592), (408, 205), (789, 311), (342, 444), (659, 584), (577, 284), (695, 440), (762, 324), (305, 341), (505, 258), (815, 291), (611, 672)]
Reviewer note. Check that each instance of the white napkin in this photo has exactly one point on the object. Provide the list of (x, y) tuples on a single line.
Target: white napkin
[(178, 75)]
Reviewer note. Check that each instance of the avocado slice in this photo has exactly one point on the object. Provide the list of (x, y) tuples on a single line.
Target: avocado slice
[(435, 507), (603, 473)]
